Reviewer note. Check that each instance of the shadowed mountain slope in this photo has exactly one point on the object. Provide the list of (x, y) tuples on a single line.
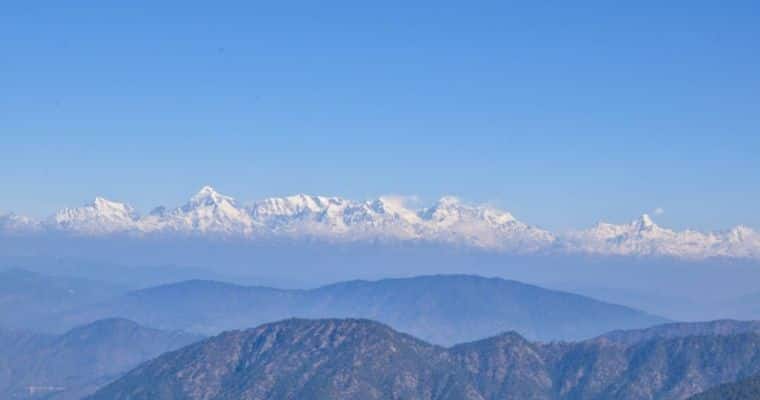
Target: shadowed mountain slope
[(746, 389), (682, 329), (362, 359), (326, 359)]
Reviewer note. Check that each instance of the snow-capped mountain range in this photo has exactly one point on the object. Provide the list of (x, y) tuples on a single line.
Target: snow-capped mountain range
[(209, 213), (643, 237)]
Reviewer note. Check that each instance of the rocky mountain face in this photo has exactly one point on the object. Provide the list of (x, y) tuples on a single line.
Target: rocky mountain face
[(75, 364), (443, 309), (361, 359), (295, 359), (450, 221), (745, 389), (671, 361)]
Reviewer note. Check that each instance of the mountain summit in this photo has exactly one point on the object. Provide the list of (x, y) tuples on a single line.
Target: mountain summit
[(100, 216)]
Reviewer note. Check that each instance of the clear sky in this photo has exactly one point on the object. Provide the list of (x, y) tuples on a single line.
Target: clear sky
[(562, 114)]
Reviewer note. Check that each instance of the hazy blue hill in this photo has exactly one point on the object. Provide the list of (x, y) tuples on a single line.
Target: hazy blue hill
[(77, 362), (31, 301), (362, 359), (202, 306), (450, 309), (444, 309)]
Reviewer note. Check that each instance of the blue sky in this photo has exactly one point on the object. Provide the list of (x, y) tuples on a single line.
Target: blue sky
[(562, 115)]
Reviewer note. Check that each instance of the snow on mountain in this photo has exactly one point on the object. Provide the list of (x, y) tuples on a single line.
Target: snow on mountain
[(206, 212), (449, 220), (334, 217), (211, 213), (642, 237), (386, 217), (100, 216), (389, 218), (300, 214), (13, 223), (740, 241)]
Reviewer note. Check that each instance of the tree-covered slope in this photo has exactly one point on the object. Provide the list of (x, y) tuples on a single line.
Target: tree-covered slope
[(362, 359)]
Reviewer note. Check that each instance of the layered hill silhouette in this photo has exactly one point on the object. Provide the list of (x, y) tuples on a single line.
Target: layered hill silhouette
[(362, 359), (74, 364), (443, 309)]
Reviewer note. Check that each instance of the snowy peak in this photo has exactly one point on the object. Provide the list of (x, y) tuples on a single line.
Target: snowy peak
[(99, 216), (644, 222), (450, 210), (607, 231), (207, 190), (207, 196), (101, 203), (448, 202), (643, 237), (211, 203), (741, 233), (741, 241), (301, 215), (208, 211), (484, 226), (108, 207), (394, 207), (447, 209), (296, 205)]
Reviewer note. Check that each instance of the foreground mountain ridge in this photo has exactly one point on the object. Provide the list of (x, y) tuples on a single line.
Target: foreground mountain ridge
[(363, 359), (209, 213)]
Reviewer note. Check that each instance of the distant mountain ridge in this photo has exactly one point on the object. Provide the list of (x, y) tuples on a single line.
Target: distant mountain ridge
[(211, 214), (643, 237), (362, 359), (443, 309), (30, 301)]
